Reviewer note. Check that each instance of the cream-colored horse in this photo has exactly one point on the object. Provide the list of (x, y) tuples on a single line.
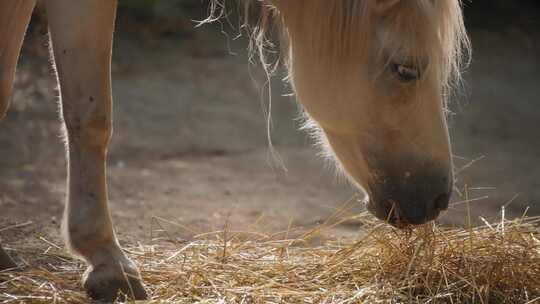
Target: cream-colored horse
[(372, 76)]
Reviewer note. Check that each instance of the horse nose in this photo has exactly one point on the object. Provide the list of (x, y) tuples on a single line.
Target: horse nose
[(417, 212), (411, 201)]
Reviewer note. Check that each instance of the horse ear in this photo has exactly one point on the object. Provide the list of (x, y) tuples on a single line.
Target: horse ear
[(381, 6)]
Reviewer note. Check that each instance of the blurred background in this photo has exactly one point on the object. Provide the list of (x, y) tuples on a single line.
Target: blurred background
[(190, 154)]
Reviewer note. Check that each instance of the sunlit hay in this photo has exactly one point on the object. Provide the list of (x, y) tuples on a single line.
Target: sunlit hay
[(494, 263)]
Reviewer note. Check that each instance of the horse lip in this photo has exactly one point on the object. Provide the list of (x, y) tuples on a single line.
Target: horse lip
[(393, 216)]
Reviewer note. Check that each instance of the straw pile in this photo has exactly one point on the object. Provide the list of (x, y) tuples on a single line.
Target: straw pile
[(494, 263)]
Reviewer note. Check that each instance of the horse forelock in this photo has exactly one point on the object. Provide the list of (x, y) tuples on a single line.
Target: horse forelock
[(339, 29), (335, 31)]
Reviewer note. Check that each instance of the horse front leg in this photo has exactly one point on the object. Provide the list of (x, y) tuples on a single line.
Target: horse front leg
[(14, 17), (81, 35)]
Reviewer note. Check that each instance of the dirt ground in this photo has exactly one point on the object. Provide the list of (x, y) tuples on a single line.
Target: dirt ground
[(190, 154)]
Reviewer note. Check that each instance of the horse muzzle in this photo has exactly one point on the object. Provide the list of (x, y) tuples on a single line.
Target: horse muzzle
[(405, 198)]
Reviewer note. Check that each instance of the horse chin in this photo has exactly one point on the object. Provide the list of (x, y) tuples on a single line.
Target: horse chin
[(389, 213)]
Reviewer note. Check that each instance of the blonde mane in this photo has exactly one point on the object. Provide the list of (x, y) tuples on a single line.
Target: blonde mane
[(337, 31), (343, 26)]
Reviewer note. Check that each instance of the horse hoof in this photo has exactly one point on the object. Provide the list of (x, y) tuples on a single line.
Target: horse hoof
[(109, 283), (5, 261)]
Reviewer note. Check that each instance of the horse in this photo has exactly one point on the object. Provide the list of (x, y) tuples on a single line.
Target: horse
[(372, 76)]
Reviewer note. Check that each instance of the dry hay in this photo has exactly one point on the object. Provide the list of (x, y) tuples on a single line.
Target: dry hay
[(494, 263)]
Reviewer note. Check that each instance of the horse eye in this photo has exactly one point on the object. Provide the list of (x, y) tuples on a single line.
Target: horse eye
[(405, 73)]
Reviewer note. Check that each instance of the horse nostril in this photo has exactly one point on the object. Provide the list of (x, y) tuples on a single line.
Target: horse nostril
[(441, 202)]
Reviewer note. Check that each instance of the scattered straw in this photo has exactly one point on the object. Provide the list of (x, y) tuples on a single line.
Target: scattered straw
[(494, 263)]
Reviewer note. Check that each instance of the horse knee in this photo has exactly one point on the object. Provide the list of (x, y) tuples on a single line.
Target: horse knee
[(5, 94), (98, 131), (3, 108), (89, 131)]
